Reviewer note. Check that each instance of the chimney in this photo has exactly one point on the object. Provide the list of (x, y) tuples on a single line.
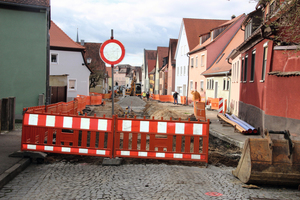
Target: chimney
[(232, 16), (82, 42)]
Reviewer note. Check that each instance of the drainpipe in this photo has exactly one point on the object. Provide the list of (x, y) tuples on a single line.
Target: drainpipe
[(48, 93), (187, 89)]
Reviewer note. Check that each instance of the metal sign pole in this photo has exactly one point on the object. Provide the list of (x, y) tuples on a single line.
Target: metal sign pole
[(112, 78)]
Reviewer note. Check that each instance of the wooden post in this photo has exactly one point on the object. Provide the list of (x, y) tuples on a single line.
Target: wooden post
[(4, 114), (11, 119)]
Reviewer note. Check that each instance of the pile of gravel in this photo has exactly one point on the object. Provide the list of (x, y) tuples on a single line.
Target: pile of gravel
[(131, 101)]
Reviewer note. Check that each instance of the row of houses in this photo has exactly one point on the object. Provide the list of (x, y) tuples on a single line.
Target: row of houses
[(240, 60)]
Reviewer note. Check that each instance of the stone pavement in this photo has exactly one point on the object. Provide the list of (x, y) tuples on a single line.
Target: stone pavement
[(70, 181), (84, 181)]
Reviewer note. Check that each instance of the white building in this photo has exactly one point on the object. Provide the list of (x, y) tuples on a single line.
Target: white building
[(66, 58), (189, 33)]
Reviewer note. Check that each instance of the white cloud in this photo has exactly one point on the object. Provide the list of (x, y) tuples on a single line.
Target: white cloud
[(137, 24)]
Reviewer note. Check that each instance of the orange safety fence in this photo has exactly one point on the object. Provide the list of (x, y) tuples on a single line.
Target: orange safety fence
[(199, 110), (161, 139), (92, 136), (135, 138), (68, 108), (166, 98)]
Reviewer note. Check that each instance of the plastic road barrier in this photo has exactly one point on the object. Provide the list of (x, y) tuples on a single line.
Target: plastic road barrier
[(161, 139), (67, 134)]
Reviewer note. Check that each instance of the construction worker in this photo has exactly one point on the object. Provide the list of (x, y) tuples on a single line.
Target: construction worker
[(147, 95), (175, 96), (144, 94)]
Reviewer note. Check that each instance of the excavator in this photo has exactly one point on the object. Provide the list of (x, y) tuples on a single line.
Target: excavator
[(135, 88)]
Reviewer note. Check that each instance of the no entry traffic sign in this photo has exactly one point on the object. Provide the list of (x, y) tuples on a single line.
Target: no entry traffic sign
[(112, 51)]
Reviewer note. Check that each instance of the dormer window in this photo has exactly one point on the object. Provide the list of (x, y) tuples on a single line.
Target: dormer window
[(89, 60)]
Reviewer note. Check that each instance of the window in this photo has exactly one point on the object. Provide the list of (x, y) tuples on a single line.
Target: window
[(202, 60), (207, 84), (224, 84), (183, 70), (192, 62), (210, 84), (237, 70), (182, 50), (191, 85), (263, 73), (233, 71), (177, 71), (72, 84), (252, 65), (227, 86), (201, 85), (242, 68), (195, 85), (245, 70), (196, 61), (54, 58)]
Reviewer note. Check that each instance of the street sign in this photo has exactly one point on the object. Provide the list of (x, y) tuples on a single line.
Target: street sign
[(112, 51)]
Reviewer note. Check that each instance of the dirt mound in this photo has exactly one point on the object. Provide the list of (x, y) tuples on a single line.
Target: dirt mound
[(131, 101), (106, 110), (165, 114)]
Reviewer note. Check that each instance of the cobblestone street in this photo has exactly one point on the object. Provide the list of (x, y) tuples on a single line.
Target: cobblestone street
[(86, 181)]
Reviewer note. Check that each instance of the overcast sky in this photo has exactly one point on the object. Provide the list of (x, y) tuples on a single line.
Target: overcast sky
[(138, 24)]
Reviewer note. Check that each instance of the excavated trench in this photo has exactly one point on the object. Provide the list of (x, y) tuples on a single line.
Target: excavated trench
[(221, 153)]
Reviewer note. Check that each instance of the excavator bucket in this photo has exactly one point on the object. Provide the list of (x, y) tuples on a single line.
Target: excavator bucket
[(269, 161)]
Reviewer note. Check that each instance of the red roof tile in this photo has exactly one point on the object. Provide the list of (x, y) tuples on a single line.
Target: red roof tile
[(208, 41), (172, 48), (151, 65), (58, 38), (221, 65), (195, 27), (92, 51), (161, 53)]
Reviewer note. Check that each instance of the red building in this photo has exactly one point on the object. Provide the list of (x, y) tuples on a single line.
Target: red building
[(270, 75)]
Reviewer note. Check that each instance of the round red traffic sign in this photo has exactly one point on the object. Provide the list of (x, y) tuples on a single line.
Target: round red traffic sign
[(112, 51)]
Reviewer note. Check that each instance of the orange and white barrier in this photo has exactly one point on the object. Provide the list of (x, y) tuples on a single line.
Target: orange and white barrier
[(39, 130), (160, 135), (217, 104), (136, 138)]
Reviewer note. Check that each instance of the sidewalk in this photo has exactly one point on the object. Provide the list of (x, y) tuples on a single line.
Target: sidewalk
[(10, 166), (11, 142)]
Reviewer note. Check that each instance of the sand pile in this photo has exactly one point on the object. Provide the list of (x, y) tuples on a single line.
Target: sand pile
[(131, 101)]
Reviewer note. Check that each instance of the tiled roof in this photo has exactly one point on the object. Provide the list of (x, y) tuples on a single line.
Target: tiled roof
[(45, 3), (59, 39), (151, 65), (161, 53), (221, 64), (208, 41), (195, 27), (150, 54), (172, 48), (92, 51)]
